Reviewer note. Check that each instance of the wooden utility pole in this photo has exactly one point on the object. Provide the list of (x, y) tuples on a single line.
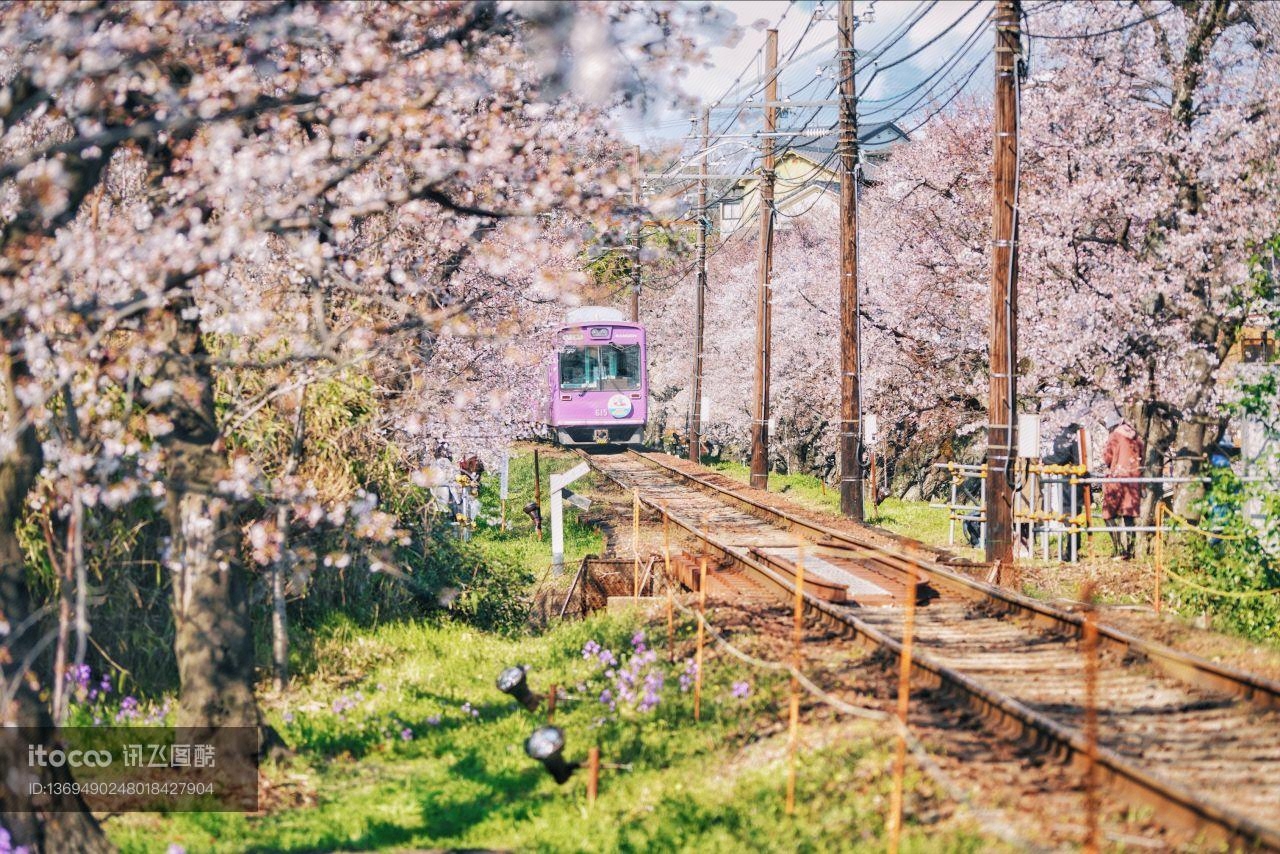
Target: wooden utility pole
[(635, 240), (764, 307), (1002, 423), (695, 404), (850, 397)]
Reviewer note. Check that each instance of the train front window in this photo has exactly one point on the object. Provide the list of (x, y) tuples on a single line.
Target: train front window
[(612, 367), (620, 367), (579, 367)]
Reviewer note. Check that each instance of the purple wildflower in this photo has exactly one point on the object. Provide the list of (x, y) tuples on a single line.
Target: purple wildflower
[(406, 734), (741, 690), (590, 649), (466, 708), (637, 641), (128, 709), (7, 846), (288, 717), (80, 675), (607, 658), (434, 720), (689, 674), (653, 682)]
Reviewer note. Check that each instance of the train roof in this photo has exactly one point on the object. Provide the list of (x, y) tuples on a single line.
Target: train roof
[(593, 314)]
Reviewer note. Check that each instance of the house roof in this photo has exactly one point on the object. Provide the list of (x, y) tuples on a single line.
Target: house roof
[(872, 140), (875, 140)]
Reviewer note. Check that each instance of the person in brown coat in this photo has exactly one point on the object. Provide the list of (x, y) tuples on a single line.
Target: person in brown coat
[(1121, 502)]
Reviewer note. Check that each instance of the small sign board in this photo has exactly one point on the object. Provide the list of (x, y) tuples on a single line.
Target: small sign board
[(504, 476), (582, 502)]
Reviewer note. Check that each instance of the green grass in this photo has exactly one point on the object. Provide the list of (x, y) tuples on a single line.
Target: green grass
[(402, 742), (915, 519), (519, 543), (463, 781)]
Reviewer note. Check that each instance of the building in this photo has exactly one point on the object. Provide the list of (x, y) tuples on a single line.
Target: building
[(807, 175)]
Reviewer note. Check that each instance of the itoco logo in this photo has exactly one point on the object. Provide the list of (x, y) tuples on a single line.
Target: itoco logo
[(39, 755)]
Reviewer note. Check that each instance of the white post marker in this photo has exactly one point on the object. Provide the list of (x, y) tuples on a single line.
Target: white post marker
[(558, 483), (1029, 435)]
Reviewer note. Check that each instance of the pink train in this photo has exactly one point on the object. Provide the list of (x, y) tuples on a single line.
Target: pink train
[(598, 379)]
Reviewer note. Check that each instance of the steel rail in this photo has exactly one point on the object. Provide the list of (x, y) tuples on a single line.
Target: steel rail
[(1181, 665), (1181, 804)]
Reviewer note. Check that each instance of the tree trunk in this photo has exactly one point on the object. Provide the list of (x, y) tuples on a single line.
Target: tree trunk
[(28, 818), (213, 639), (279, 571)]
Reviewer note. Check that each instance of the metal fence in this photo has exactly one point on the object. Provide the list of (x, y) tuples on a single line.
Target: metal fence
[(1047, 510)]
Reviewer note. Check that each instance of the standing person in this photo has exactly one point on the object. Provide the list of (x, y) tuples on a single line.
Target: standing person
[(469, 473), (1121, 501), (442, 476), (1066, 452)]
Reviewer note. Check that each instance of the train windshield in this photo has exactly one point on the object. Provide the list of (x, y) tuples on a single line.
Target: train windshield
[(612, 367)]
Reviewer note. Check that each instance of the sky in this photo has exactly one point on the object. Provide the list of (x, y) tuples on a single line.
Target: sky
[(951, 38)]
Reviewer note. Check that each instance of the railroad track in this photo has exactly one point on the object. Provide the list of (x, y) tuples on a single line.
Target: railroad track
[(1197, 741)]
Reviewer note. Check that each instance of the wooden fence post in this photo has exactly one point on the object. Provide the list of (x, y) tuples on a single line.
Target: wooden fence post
[(635, 540), (666, 575), (1089, 649), (904, 706), (1159, 554), (702, 622), (593, 774), (793, 727)]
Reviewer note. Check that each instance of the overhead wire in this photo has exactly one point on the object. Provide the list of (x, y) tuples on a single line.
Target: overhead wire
[(938, 81), (943, 69), (878, 49), (1109, 31)]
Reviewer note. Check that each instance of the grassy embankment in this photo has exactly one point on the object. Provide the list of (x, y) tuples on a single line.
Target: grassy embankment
[(518, 543), (402, 741)]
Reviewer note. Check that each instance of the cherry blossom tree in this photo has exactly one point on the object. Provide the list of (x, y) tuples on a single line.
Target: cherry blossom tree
[(207, 209), (1148, 159), (1151, 164)]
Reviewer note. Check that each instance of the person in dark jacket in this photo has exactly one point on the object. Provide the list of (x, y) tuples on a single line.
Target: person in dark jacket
[(1121, 502), (1066, 452)]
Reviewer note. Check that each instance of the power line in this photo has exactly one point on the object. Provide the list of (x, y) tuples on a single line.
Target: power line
[(939, 77), (1106, 32), (945, 66)]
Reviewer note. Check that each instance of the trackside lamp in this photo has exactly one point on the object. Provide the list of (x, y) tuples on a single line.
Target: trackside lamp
[(535, 514), (546, 745), (512, 681)]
